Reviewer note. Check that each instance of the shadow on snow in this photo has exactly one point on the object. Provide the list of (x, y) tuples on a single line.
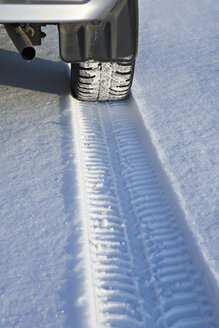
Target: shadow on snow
[(39, 75)]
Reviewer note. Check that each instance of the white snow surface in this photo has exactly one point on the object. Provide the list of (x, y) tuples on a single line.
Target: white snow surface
[(176, 89), (67, 176)]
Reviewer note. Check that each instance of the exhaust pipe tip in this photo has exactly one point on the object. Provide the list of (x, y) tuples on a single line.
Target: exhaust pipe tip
[(21, 41), (28, 53)]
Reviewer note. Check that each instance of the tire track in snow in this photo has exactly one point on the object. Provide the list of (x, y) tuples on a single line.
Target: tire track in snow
[(142, 272), (180, 293), (113, 281)]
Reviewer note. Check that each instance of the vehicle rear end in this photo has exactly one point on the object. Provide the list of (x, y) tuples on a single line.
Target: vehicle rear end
[(99, 38)]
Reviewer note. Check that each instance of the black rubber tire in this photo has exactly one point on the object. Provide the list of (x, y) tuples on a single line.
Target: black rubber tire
[(96, 81)]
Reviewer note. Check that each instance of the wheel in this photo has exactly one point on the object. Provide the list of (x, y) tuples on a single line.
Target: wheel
[(92, 81)]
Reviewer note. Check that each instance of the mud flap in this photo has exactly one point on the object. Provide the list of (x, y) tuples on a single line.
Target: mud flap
[(111, 40)]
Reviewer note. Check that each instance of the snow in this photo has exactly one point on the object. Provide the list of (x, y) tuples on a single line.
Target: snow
[(64, 182), (178, 99), (40, 250)]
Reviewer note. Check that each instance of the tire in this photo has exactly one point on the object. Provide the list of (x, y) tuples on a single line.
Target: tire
[(96, 81)]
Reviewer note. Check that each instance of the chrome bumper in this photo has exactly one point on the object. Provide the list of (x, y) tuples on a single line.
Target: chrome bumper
[(53, 11)]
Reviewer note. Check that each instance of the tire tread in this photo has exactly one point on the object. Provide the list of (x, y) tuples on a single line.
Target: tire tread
[(96, 81)]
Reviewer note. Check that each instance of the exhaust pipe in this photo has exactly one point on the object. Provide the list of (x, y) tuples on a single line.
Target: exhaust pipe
[(21, 41)]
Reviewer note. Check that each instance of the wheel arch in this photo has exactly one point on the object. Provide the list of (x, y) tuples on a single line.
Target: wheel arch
[(113, 39)]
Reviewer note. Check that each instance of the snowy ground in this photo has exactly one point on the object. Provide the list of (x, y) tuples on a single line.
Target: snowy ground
[(108, 219)]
